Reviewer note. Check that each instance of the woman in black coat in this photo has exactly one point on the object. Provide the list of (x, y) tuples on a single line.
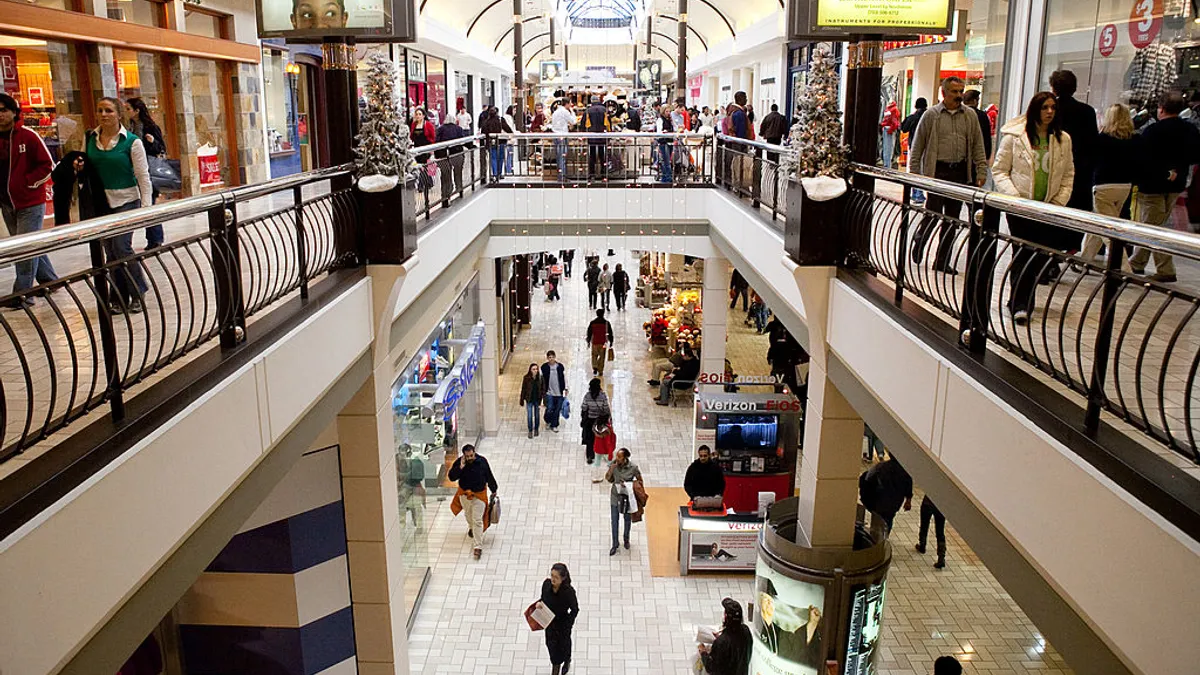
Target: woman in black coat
[(730, 652), (558, 595), (620, 286)]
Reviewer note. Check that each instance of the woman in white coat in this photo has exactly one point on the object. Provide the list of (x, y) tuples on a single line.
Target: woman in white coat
[(1034, 162)]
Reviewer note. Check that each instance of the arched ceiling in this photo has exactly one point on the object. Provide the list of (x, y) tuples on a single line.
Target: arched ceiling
[(489, 22)]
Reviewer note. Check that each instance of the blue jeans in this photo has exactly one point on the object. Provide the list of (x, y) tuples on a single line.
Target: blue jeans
[(664, 162), (531, 415), (760, 318), (560, 148), (616, 517), (154, 233), (39, 269), (553, 407), (508, 159), (128, 280), (496, 153), (889, 145)]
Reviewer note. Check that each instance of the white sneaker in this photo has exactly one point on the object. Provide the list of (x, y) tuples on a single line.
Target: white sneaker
[(1020, 317)]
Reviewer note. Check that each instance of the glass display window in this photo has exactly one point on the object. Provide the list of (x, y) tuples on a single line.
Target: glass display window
[(204, 23), (209, 115), (141, 12), (435, 85)]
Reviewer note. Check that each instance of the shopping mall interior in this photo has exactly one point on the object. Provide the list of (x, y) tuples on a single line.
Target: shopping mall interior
[(599, 336)]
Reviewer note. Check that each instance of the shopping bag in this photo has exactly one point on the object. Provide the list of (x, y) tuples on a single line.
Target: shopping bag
[(566, 409), (494, 510), (163, 176), (612, 355)]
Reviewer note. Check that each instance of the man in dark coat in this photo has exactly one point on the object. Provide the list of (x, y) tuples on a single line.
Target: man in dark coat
[(909, 124), (971, 100), (884, 488), (1079, 121), (704, 478)]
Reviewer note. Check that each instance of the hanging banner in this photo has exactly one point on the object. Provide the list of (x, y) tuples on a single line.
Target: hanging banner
[(649, 76), (1145, 22), (694, 85), (1107, 40), (551, 71)]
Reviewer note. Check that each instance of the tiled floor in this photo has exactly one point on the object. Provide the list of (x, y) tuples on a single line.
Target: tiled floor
[(470, 620)]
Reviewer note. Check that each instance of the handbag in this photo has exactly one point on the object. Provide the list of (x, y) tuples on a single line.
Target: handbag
[(494, 510), (163, 176), (612, 355), (533, 623), (566, 409)]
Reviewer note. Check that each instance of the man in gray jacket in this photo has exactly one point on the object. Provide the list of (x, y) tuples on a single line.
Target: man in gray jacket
[(947, 145)]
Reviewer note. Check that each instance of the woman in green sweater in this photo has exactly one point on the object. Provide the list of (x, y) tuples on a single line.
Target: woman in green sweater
[(119, 158)]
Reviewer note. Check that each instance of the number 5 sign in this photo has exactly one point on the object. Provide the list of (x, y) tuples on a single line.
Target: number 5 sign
[(1108, 40), (1145, 22)]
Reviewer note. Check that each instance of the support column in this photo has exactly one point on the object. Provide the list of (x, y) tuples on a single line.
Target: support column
[(489, 368), (518, 67), (833, 431), (865, 61), (341, 98), (681, 58), (926, 78), (713, 326)]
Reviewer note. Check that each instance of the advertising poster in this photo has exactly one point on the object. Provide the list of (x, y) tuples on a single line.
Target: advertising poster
[(866, 615), (649, 75), (551, 71), (788, 628), (717, 551), (283, 16), (931, 15)]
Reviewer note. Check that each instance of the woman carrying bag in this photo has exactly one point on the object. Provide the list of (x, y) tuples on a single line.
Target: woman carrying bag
[(558, 596), (1034, 161), (119, 159), (144, 127), (594, 408)]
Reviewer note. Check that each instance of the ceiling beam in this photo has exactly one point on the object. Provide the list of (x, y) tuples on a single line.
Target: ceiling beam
[(703, 42), (480, 16), (510, 30)]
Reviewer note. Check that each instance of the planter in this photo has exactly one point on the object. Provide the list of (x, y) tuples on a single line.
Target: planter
[(389, 224), (812, 235)]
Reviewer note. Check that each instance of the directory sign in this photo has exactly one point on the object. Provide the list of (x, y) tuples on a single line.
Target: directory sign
[(866, 615)]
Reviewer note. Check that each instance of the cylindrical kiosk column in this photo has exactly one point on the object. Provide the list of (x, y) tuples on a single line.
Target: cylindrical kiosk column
[(813, 606)]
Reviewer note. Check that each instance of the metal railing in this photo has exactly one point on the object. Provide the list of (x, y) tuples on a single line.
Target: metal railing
[(1129, 344), (598, 159), (446, 173), (750, 170), (73, 344)]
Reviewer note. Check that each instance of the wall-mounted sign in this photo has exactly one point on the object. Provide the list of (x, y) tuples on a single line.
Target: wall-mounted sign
[(551, 71), (312, 20), (1145, 22), (8, 71), (416, 66), (451, 389), (838, 19), (35, 97)]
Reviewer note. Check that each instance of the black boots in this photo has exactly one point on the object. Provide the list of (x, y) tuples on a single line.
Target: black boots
[(613, 550)]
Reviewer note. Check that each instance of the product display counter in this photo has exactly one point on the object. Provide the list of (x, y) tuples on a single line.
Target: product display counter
[(720, 543)]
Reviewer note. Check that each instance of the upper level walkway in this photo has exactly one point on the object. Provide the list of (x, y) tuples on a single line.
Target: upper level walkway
[(998, 428)]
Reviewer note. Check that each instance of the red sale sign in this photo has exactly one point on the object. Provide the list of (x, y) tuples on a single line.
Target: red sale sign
[(1145, 22), (1108, 40)]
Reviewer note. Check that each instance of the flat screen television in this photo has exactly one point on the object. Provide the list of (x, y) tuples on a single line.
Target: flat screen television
[(312, 20), (747, 432)]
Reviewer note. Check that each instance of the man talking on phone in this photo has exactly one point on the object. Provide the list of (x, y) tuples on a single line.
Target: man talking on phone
[(474, 476)]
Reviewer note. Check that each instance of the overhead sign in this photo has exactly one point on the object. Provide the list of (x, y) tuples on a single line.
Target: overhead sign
[(649, 75), (926, 44), (1145, 22), (551, 71), (1107, 40), (313, 20), (834, 19)]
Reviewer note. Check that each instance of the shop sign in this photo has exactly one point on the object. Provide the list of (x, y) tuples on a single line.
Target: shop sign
[(1145, 22), (36, 98), (451, 390), (772, 405), (606, 72), (918, 16), (694, 84), (925, 44), (789, 624), (1106, 40), (416, 66), (9, 81)]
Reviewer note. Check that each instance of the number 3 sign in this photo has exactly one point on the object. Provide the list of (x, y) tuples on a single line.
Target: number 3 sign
[(1145, 22), (1108, 40)]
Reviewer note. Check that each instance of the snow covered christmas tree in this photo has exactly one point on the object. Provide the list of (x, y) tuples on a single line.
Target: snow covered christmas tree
[(816, 147), (383, 148)]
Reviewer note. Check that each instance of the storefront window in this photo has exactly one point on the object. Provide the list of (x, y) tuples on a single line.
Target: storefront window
[(203, 24), (1122, 57), (430, 426), (41, 76), (208, 108), (435, 80), (279, 92), (142, 12)]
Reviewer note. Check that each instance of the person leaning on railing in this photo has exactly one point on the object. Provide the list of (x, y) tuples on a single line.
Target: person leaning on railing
[(119, 158), (1035, 162), (450, 160)]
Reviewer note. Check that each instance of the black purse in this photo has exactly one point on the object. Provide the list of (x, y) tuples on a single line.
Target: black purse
[(164, 176)]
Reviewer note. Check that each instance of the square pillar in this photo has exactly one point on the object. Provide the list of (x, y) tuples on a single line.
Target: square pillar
[(489, 368), (713, 326)]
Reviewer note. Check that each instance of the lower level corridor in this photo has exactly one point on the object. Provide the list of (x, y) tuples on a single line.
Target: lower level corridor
[(631, 620)]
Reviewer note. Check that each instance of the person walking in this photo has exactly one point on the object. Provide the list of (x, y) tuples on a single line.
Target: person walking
[(596, 121), (604, 288), (509, 120), (568, 256), (558, 596), (907, 128), (450, 160), (621, 473), (25, 167), (947, 145), (884, 488), (554, 387), (531, 397), (664, 124), (1035, 162), (890, 127), (423, 133), (120, 161), (759, 312), (620, 287), (594, 409), (1116, 165), (971, 100), (773, 128), (600, 337), (730, 651), (1169, 147), (474, 476), (909, 125), (1078, 120), (739, 287), (741, 127), (142, 124), (591, 277), (930, 511)]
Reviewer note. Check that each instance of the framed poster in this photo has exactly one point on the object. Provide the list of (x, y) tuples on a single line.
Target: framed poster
[(551, 71), (36, 98), (788, 629), (649, 75)]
